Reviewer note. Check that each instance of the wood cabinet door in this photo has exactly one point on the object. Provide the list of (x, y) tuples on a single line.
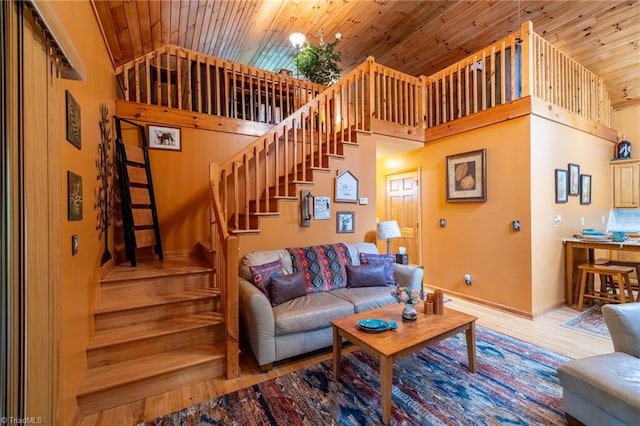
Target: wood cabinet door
[(626, 185)]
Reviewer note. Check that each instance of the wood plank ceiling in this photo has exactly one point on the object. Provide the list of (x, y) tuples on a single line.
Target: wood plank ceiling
[(416, 37)]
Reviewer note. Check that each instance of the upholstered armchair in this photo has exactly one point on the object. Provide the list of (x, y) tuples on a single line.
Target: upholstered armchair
[(605, 389)]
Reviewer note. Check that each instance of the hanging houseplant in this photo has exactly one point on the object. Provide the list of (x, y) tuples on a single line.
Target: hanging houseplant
[(319, 64)]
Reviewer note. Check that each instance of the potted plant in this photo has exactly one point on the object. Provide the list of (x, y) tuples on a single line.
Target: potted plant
[(320, 64)]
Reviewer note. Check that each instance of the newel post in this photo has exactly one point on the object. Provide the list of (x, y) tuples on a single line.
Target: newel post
[(372, 87), (527, 53)]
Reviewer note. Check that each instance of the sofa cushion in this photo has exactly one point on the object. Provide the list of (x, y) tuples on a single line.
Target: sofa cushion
[(311, 312), (387, 259), (366, 298), (366, 276), (287, 287), (323, 265), (611, 382), (264, 256), (262, 274)]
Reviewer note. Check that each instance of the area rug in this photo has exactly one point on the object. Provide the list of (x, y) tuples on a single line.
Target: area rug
[(589, 321), (516, 384)]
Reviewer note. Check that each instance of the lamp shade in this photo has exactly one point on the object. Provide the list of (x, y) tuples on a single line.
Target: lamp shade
[(297, 39), (388, 229)]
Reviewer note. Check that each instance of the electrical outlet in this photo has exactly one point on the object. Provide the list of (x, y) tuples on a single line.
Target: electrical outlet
[(443, 223), (467, 279)]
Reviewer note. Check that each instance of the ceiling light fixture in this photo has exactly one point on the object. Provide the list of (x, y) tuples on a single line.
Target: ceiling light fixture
[(297, 39)]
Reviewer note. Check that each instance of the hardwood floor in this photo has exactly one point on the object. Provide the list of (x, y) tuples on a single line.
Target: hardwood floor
[(545, 331)]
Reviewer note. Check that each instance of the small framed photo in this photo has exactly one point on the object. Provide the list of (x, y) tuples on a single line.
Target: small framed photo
[(161, 137), (467, 177), (345, 222), (562, 180), (585, 189), (574, 179)]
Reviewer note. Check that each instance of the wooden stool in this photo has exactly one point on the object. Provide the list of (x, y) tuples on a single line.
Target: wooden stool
[(635, 265), (621, 273)]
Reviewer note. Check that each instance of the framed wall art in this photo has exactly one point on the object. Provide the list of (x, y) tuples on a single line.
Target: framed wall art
[(74, 196), (585, 189), (345, 222), (74, 121), (346, 188), (561, 180), (574, 179), (467, 177), (161, 137)]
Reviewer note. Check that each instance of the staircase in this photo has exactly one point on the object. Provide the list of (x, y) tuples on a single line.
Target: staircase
[(158, 327)]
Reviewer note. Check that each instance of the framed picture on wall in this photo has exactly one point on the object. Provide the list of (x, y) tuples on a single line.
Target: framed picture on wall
[(574, 179), (585, 189), (467, 177), (161, 137), (345, 222), (562, 180), (346, 188)]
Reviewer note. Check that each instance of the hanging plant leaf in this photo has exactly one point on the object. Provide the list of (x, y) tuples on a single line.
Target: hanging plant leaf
[(319, 64)]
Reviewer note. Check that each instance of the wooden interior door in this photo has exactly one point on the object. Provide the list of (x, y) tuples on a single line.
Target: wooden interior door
[(403, 205)]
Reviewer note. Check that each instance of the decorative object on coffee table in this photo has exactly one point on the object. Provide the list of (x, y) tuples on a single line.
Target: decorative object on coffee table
[(410, 298)]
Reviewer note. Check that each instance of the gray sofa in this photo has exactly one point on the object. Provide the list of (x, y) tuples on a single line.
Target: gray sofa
[(605, 389), (303, 324)]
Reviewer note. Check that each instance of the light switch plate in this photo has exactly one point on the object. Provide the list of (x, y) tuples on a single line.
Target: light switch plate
[(364, 201)]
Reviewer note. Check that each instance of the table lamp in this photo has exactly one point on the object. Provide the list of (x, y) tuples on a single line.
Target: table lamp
[(387, 230)]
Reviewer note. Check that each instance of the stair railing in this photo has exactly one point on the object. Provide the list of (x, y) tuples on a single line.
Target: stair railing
[(268, 168), (184, 79), (226, 264)]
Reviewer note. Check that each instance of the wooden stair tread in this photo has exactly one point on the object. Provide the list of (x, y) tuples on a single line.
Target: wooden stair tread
[(114, 375), (136, 332), (153, 268), (245, 231), (155, 300)]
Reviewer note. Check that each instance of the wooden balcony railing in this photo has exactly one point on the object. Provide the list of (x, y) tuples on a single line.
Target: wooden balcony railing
[(560, 80), (179, 78), (522, 64)]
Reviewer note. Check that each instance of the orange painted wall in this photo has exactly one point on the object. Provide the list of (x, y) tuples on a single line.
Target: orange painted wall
[(181, 185), (627, 122), (477, 238), (181, 188), (521, 271), (553, 146), (80, 273)]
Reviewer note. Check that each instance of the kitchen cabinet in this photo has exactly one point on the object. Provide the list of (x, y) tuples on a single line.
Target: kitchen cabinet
[(626, 183)]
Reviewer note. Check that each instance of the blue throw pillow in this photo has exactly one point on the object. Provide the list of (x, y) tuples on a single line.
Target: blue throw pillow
[(387, 259)]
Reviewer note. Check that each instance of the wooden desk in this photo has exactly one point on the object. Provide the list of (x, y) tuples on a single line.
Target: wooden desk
[(573, 244)]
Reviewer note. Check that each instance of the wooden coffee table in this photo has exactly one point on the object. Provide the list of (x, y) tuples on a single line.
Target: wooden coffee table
[(391, 345)]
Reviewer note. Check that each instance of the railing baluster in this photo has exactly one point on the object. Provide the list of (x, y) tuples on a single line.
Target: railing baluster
[(503, 73), (256, 172), (148, 79), (179, 80), (247, 224), (198, 83), (168, 58), (267, 159)]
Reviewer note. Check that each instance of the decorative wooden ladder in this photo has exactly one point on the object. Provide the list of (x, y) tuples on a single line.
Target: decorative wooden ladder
[(139, 214)]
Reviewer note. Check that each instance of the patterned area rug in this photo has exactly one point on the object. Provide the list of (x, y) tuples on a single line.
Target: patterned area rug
[(589, 321), (516, 384)]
